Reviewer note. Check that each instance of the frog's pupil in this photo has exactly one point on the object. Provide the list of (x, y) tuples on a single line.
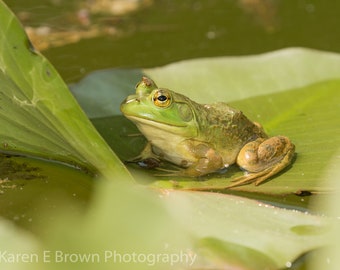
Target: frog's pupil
[(162, 98)]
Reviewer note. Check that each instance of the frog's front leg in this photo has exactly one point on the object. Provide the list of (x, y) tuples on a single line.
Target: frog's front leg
[(263, 158), (146, 159)]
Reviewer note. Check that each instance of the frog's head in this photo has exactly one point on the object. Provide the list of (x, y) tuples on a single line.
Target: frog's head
[(152, 107)]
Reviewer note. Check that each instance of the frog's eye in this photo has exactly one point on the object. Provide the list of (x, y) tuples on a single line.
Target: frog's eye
[(162, 98)]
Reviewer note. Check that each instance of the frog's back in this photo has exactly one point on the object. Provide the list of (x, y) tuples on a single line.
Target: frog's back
[(227, 129)]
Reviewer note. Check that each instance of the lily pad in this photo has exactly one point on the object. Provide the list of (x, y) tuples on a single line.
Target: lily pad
[(224, 253), (214, 229), (38, 114), (296, 118), (130, 220), (252, 225), (292, 92)]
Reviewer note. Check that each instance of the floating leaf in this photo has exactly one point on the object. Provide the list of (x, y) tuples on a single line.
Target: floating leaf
[(292, 92), (223, 254), (52, 126), (213, 79), (214, 229), (38, 114), (280, 235)]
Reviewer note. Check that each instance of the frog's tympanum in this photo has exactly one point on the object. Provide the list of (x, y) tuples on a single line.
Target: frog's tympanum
[(203, 138)]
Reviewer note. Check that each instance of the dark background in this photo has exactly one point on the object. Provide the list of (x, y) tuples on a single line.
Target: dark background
[(170, 30)]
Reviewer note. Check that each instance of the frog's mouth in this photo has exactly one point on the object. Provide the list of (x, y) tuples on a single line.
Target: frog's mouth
[(148, 121), (151, 128)]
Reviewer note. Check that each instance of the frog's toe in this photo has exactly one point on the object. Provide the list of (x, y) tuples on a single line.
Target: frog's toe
[(168, 172), (249, 178), (144, 162), (146, 159), (149, 163)]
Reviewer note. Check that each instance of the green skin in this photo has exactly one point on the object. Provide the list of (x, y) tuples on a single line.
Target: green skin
[(203, 139)]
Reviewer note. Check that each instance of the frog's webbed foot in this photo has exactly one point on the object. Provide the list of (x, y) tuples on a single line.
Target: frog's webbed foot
[(169, 172), (263, 158), (146, 159), (248, 178), (134, 135)]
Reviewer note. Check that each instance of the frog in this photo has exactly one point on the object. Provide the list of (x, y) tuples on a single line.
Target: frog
[(203, 139)]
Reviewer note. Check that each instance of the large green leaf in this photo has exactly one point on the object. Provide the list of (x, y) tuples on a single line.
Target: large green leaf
[(217, 230), (292, 92), (307, 115), (38, 114), (241, 224), (135, 220), (212, 79)]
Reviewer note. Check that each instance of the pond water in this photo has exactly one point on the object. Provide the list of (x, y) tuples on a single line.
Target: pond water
[(154, 34), (30, 187), (164, 31)]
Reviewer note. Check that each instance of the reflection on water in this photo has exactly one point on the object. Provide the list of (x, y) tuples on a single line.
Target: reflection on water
[(82, 20), (264, 12), (77, 40), (30, 187)]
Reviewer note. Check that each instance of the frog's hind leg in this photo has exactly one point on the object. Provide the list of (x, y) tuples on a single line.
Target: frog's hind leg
[(263, 158)]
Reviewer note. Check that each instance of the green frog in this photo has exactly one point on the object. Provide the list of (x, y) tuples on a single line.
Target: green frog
[(203, 138)]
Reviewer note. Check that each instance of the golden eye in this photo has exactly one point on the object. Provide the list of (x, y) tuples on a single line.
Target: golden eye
[(162, 98)]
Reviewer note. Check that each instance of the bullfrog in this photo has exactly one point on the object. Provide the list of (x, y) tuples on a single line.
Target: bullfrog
[(202, 139)]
